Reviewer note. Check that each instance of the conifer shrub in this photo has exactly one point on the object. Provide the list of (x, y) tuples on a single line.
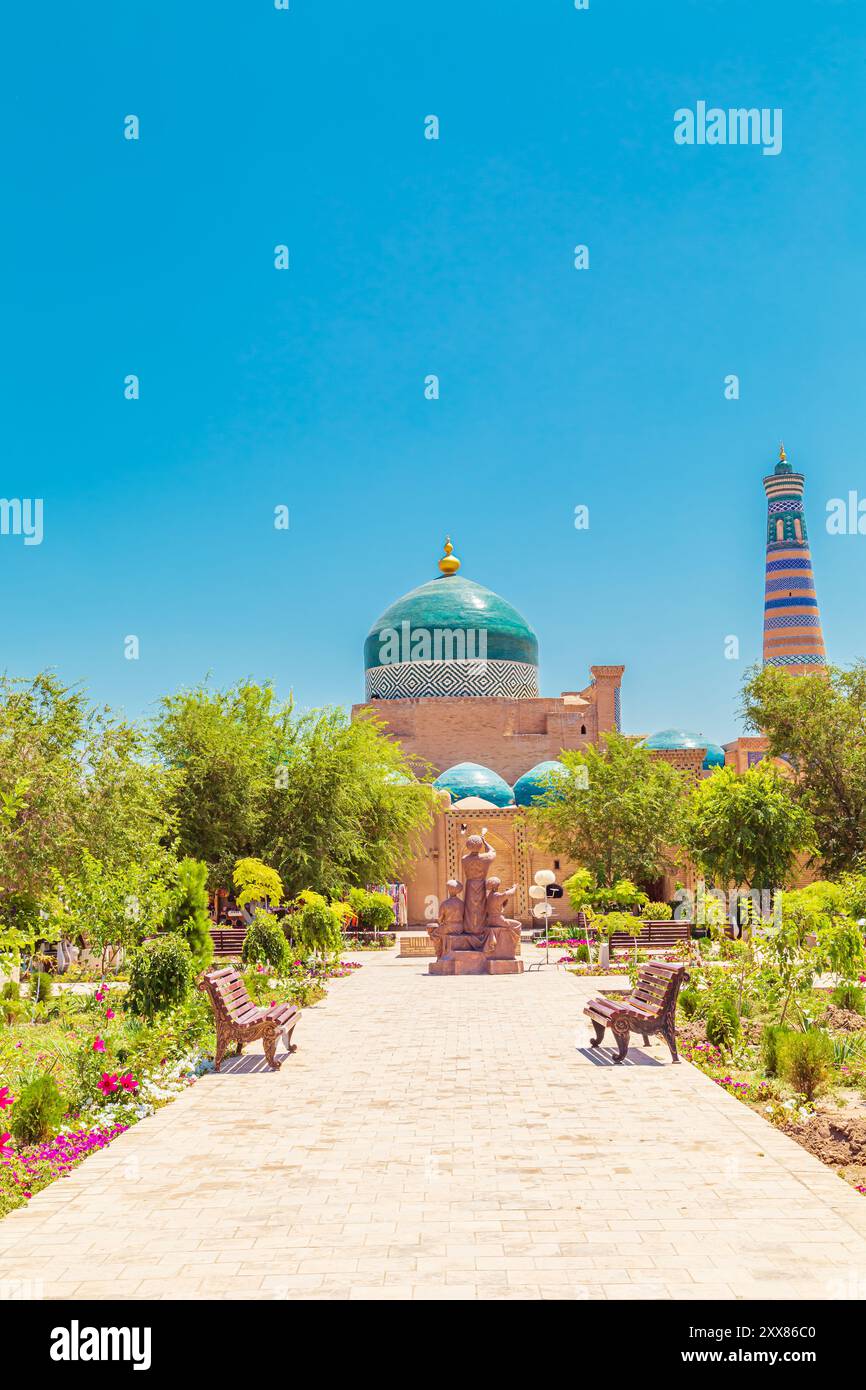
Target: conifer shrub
[(770, 1039), (723, 1023), (849, 996), (38, 1111), (805, 1060), (188, 911)]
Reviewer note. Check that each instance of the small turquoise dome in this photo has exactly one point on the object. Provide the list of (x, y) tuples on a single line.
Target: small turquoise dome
[(532, 785), (679, 738), (471, 779)]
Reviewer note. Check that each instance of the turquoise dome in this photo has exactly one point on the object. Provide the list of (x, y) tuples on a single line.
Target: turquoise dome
[(679, 738), (531, 786), (471, 779), (453, 637)]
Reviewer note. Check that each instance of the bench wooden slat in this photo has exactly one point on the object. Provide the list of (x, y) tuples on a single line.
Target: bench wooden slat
[(650, 1008), (239, 1020)]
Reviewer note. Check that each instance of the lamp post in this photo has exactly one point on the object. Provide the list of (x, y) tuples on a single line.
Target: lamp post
[(538, 892)]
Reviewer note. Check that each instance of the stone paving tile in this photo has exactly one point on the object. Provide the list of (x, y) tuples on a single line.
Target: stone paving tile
[(447, 1139)]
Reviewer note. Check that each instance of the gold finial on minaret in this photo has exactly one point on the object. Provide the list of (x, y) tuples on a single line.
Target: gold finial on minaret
[(783, 457), (449, 564)]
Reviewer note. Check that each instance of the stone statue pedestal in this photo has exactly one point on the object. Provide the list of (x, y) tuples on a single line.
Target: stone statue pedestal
[(461, 963), (473, 963)]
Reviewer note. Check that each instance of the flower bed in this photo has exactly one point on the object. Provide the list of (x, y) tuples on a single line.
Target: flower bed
[(79, 1069)]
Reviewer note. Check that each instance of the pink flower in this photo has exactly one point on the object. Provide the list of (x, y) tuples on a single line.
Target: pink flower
[(109, 1013), (107, 1084), (128, 1082), (100, 995), (98, 1045), (5, 1098), (5, 1149)]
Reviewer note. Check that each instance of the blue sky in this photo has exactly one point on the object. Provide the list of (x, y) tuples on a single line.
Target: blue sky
[(305, 388)]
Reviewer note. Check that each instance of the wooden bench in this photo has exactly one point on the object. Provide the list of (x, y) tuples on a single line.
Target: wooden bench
[(228, 941), (650, 1008), (239, 1020), (656, 936)]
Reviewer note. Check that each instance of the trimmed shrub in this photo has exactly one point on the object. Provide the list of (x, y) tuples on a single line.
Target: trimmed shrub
[(265, 942), (580, 953), (850, 996), (38, 1111), (161, 976), (804, 1061), (657, 912), (723, 1023), (317, 927), (374, 911)]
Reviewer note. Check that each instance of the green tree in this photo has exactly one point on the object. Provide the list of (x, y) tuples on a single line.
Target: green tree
[(819, 724), (613, 809), (73, 781), (187, 912), (116, 908), (255, 881), (225, 749), (329, 802), (746, 827), (347, 809)]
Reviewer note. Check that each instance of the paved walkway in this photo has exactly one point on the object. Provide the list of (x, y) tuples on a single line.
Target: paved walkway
[(446, 1138)]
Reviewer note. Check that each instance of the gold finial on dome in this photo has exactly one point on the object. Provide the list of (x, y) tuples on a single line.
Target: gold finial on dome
[(449, 564), (783, 457)]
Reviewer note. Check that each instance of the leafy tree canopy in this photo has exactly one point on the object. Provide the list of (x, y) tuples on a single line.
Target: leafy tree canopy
[(819, 724), (326, 802), (614, 810), (74, 781), (746, 827)]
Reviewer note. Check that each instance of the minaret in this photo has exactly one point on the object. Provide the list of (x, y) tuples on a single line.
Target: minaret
[(793, 638)]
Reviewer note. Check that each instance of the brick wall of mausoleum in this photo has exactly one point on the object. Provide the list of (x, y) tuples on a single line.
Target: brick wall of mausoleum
[(508, 735)]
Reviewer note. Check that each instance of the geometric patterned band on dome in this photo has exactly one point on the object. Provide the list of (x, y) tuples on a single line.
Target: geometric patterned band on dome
[(408, 680)]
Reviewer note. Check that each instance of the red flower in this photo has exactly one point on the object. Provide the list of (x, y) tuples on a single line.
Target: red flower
[(98, 1045), (128, 1082), (109, 1013), (5, 1098), (107, 1084)]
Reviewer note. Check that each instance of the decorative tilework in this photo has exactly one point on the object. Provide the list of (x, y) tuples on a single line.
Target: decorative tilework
[(796, 581), (792, 564), (801, 659), (406, 680), (792, 620)]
